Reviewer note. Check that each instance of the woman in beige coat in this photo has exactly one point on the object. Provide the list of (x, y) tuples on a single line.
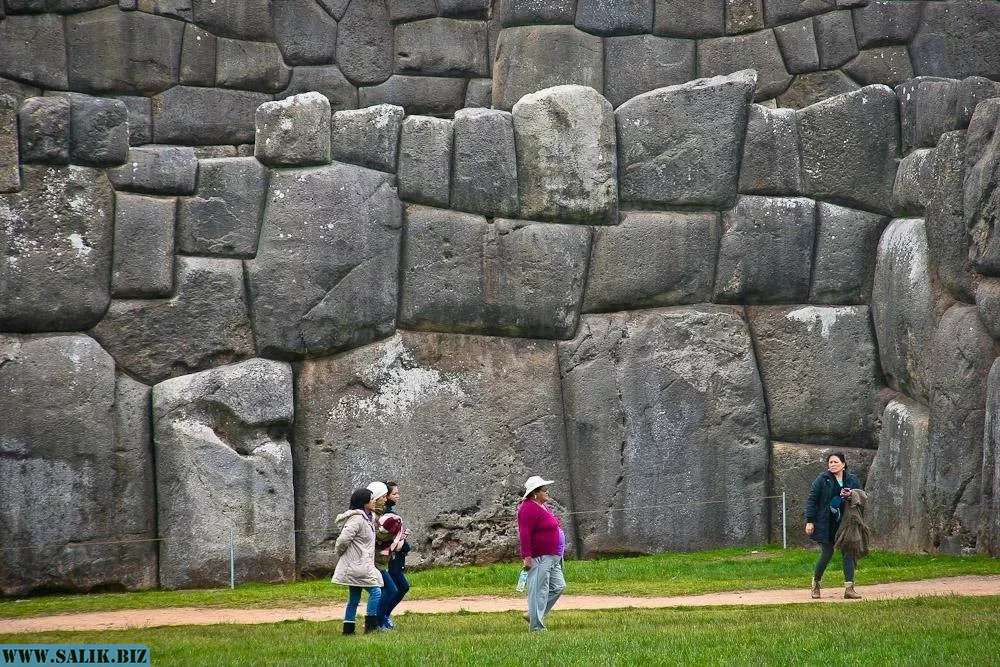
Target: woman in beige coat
[(356, 560)]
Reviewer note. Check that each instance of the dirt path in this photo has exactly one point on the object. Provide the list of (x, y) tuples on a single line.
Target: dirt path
[(147, 618)]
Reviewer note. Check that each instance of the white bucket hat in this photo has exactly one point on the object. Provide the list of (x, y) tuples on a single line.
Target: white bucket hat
[(533, 483), (378, 490)]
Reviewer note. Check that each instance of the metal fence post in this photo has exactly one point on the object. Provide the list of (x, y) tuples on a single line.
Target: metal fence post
[(784, 522), (232, 558)]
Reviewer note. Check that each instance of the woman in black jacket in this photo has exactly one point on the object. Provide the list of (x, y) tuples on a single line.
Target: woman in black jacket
[(823, 512)]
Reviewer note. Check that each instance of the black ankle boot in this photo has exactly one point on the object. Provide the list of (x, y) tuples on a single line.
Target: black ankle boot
[(348, 627), (371, 624)]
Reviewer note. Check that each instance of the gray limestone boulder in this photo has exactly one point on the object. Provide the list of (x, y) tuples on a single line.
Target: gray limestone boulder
[(368, 137), (461, 421), (914, 183), (55, 6), (484, 169), (204, 324), (927, 109), (793, 468), (442, 47), (653, 259), (239, 19), (835, 41), (758, 50), (326, 80), (972, 91), (316, 289), (903, 307), (689, 18), (639, 63), (615, 17), (766, 251), (294, 131), (250, 66), (424, 170), (479, 94), (337, 8), (10, 175), (223, 217), (820, 372), (44, 130), (110, 51), (530, 12), (567, 164), (57, 234), (198, 57), (157, 170), (681, 144), (770, 164), (140, 119), (959, 39), (896, 482), (988, 301), (989, 534), (947, 236), (99, 131), (224, 472), (744, 16), (665, 412), (844, 258), (532, 58), (981, 200), (427, 95), (462, 274), (807, 89), (466, 9), (143, 260), (850, 145), (401, 11), (883, 22), (777, 12), (961, 353), (76, 466), (33, 50), (797, 41), (305, 32), (364, 42), (889, 65), (205, 116)]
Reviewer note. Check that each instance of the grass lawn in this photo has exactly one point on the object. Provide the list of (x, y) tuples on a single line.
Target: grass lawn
[(928, 631), (661, 574)]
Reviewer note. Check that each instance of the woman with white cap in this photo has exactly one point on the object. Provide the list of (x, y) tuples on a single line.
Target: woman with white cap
[(543, 544), (383, 538)]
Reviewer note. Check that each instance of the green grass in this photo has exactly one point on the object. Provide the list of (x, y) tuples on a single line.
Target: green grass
[(928, 631), (661, 574)]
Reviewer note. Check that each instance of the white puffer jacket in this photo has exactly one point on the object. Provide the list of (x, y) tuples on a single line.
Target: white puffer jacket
[(356, 551)]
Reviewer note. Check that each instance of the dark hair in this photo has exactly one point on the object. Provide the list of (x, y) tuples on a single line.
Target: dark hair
[(391, 485), (388, 503), (839, 455), (360, 498)]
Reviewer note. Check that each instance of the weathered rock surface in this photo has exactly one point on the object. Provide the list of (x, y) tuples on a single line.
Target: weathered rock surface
[(33, 50), (143, 261), (914, 183), (484, 168), (368, 137), (989, 534), (427, 95), (305, 32), (835, 39), (614, 17), (844, 258), (424, 168), (326, 80), (958, 39), (947, 237), (903, 307), (140, 119), (770, 164), (883, 22), (889, 65), (766, 250), (364, 42), (927, 109), (820, 372), (157, 170), (204, 324), (758, 50), (44, 130), (653, 259), (196, 116), (99, 131), (491, 408), (665, 404), (10, 175), (76, 466), (199, 53), (798, 46), (527, 12), (250, 66), (224, 470), (808, 89), (681, 144), (240, 19), (982, 199), (294, 131), (224, 215), (56, 235), (442, 47), (325, 275), (988, 300), (850, 144), (639, 63), (461, 274), (689, 18), (567, 162)]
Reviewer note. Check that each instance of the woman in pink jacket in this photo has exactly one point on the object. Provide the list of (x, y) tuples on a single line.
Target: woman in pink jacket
[(543, 544)]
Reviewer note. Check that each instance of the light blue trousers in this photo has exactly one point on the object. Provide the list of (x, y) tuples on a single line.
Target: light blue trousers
[(545, 584)]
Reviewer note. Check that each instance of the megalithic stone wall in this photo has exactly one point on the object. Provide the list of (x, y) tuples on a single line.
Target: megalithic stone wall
[(674, 296)]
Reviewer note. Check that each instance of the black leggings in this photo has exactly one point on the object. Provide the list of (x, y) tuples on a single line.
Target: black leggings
[(824, 559)]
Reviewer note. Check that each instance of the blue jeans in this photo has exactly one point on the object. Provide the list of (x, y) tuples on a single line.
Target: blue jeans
[(825, 554), (354, 598), (545, 584), (389, 593), (399, 579)]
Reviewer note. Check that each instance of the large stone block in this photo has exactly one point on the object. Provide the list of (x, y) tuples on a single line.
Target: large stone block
[(615, 17), (971, 92), (798, 46), (198, 56), (567, 158), (99, 131), (927, 109), (466, 9), (961, 353), (10, 174), (326, 80), (681, 144), (44, 128), (111, 51), (770, 164), (140, 119), (462, 419), (883, 22), (914, 183), (653, 259), (143, 260), (76, 466), (850, 144), (33, 50), (988, 301), (204, 324), (401, 11), (989, 534), (424, 169), (56, 233), (959, 39), (239, 19), (427, 95), (250, 66), (844, 258), (205, 116), (55, 6), (690, 18), (820, 372), (903, 307), (224, 472), (305, 32), (530, 12), (981, 199), (889, 65), (484, 169), (531, 58), (368, 137), (744, 16), (157, 170), (808, 89), (224, 215), (461, 274), (793, 468), (442, 47), (766, 250), (318, 289), (835, 39), (665, 410), (758, 51), (364, 42), (294, 131), (947, 237), (639, 63)]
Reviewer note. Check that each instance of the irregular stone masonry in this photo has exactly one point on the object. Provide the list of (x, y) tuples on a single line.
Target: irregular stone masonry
[(568, 282)]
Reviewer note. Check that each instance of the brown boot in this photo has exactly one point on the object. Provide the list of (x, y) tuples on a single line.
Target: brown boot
[(815, 590), (849, 592)]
